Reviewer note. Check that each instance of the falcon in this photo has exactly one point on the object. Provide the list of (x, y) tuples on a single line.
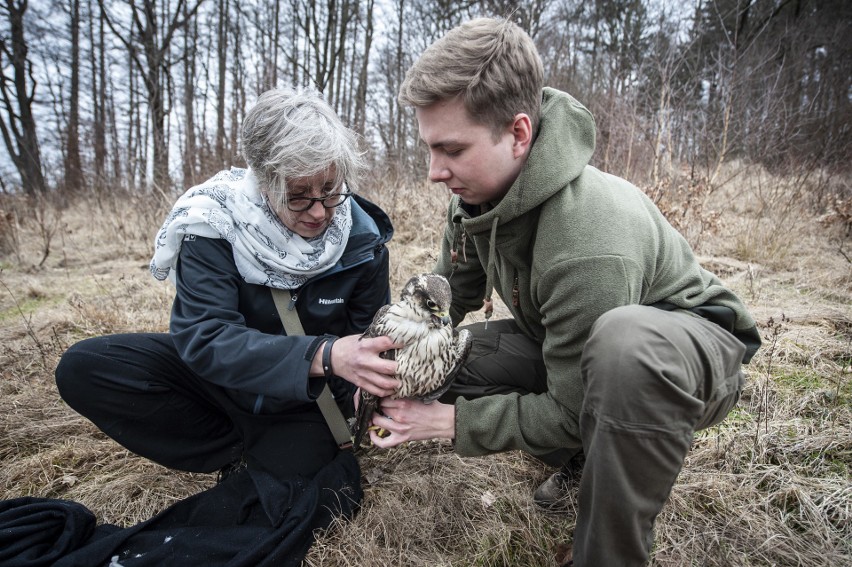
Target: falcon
[(433, 350)]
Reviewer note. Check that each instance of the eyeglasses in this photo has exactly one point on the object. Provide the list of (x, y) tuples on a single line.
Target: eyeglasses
[(301, 204)]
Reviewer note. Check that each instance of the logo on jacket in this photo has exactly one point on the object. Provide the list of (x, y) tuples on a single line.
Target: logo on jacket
[(324, 301)]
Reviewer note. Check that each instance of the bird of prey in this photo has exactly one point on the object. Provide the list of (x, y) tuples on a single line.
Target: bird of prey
[(433, 350)]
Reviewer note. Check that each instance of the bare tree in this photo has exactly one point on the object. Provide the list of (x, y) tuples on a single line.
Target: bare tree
[(320, 26), (766, 82), (73, 164), (97, 62), (528, 14), (17, 123), (190, 150), (149, 45), (796, 57), (263, 22), (392, 125), (222, 35), (417, 23), (360, 114), (238, 89)]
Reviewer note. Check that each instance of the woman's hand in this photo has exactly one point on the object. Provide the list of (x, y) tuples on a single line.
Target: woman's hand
[(357, 360), (413, 420)]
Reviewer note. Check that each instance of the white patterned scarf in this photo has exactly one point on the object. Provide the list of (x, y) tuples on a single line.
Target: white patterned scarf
[(266, 252)]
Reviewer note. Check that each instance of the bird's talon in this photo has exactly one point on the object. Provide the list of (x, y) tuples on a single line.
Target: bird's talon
[(383, 433)]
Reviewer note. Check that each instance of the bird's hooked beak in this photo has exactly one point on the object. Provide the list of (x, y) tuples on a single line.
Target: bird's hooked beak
[(441, 319)]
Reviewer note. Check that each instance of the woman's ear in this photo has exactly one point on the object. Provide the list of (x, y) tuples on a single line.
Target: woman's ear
[(522, 132)]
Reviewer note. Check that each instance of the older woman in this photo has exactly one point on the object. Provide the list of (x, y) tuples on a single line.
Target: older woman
[(227, 384)]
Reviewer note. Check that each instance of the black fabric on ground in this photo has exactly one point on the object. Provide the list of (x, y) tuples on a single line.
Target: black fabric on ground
[(250, 519), (38, 531)]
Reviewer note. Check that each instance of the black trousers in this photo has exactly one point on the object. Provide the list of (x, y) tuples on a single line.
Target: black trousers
[(139, 392)]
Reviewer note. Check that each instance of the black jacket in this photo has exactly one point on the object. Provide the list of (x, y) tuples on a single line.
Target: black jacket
[(229, 332)]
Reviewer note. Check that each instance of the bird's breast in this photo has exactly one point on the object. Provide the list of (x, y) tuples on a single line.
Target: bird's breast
[(423, 364)]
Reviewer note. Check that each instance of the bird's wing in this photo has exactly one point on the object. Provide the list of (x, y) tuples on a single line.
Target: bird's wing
[(369, 403), (373, 330), (463, 341)]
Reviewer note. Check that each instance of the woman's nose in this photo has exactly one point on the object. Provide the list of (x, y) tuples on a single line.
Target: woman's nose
[(317, 209)]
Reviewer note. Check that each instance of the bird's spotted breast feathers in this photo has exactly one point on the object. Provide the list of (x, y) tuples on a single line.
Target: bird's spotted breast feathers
[(433, 351)]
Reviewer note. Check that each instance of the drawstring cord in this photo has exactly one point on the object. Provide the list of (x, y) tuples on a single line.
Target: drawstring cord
[(459, 234), (488, 303)]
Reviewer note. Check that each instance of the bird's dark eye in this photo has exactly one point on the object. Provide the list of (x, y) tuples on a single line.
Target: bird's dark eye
[(431, 304)]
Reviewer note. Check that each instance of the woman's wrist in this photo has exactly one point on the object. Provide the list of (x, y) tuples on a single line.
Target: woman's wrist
[(320, 349), (327, 368)]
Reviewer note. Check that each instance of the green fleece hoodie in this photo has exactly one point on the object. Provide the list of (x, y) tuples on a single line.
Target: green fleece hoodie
[(566, 244)]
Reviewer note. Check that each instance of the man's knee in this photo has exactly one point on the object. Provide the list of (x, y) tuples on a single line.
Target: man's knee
[(649, 366), (619, 338), (624, 320)]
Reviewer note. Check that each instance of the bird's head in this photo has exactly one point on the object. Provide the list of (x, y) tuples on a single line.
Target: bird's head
[(429, 296)]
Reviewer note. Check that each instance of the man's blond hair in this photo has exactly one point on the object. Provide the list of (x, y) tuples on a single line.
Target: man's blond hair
[(492, 64)]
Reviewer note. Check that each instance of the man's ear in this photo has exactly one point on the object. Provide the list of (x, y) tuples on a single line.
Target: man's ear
[(522, 132)]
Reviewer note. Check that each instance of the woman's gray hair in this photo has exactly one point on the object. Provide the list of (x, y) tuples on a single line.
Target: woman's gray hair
[(292, 133)]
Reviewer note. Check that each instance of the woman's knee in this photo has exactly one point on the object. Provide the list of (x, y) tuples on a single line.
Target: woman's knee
[(74, 368)]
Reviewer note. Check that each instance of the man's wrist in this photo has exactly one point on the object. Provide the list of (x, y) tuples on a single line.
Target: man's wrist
[(450, 423)]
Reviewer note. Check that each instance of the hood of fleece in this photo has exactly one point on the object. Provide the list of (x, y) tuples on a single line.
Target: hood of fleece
[(561, 150)]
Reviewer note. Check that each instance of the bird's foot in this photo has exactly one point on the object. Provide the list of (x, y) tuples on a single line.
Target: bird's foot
[(379, 431)]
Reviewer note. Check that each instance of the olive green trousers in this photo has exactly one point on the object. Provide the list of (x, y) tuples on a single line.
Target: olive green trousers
[(651, 378)]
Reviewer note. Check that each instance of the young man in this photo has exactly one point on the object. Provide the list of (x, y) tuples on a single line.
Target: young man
[(620, 345)]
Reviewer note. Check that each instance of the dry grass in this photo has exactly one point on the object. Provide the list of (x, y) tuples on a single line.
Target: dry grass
[(769, 486)]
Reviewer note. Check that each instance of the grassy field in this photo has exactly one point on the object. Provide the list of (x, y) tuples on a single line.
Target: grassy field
[(772, 485)]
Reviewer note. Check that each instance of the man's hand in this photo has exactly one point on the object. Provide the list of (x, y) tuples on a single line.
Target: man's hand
[(413, 420)]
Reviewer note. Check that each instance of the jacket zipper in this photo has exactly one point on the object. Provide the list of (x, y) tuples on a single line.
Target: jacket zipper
[(516, 292)]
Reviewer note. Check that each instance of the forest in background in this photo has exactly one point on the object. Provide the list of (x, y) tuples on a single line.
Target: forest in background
[(148, 95), (733, 115)]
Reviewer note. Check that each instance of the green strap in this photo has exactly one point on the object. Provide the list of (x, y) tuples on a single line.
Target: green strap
[(329, 408)]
